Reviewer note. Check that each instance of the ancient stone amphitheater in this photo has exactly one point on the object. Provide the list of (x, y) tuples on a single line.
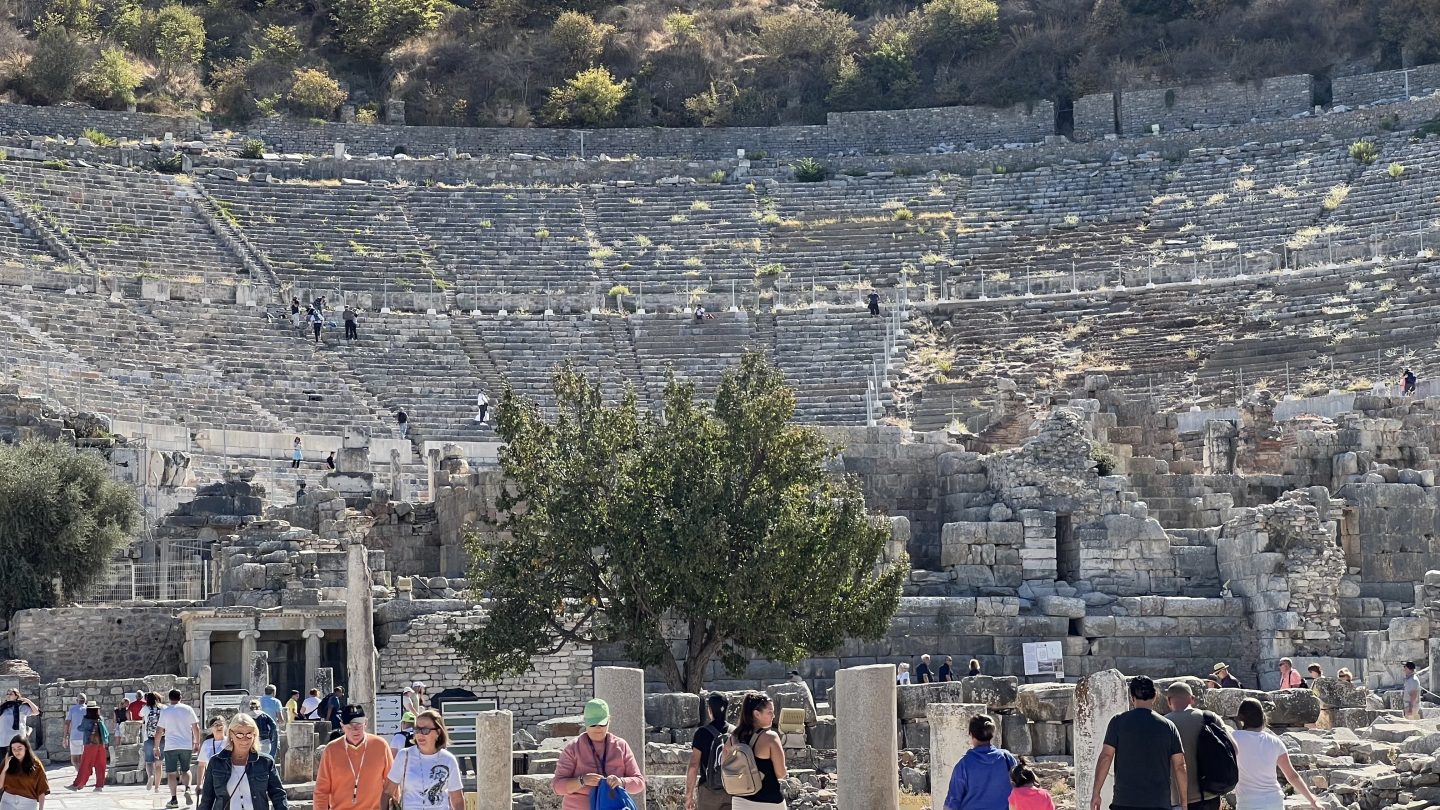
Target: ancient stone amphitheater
[(1133, 392)]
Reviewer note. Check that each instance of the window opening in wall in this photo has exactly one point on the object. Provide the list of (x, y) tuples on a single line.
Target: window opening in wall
[(1067, 553)]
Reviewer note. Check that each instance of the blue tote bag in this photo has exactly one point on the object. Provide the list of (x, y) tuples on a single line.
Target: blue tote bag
[(604, 797)]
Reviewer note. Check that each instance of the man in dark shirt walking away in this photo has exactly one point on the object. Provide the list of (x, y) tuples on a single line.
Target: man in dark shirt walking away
[(1189, 721), (922, 672), (1146, 752), (703, 790)]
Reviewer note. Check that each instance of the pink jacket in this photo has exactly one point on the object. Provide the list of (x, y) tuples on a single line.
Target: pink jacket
[(583, 756)]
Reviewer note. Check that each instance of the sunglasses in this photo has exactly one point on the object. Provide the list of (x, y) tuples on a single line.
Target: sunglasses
[(426, 729), (243, 735)]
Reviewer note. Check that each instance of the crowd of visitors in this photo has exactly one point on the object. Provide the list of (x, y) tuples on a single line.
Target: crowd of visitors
[(923, 673)]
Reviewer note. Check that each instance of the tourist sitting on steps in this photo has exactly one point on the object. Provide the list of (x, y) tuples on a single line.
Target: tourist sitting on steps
[(981, 779), (1259, 753), (595, 756)]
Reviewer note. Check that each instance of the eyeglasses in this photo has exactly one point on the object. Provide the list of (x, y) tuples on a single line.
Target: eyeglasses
[(426, 729), (243, 735)]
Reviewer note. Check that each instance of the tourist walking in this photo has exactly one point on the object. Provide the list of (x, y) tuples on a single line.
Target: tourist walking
[(74, 716), (974, 668), (902, 677), (872, 302), (1411, 692), (332, 708), (757, 716), (1407, 383), (981, 779), (269, 730), (297, 453), (704, 789), (426, 776), (149, 730), (1259, 753), (1026, 793), (209, 747), (1345, 675), (1222, 678), (121, 712), (947, 671), (1190, 722), (292, 707), (1315, 673), (178, 738), (351, 331), (137, 703), (295, 313), (23, 784), (922, 672), (15, 713), (317, 322), (1289, 678), (414, 698), (482, 407), (310, 709), (97, 740), (270, 704), (403, 422), (330, 461), (405, 737), (241, 777), (595, 756), (1145, 750), (353, 767)]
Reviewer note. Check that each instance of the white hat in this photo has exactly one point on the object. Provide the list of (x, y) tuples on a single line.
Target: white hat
[(409, 690), (418, 685)]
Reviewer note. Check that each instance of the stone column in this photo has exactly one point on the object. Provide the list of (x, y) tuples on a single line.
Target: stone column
[(199, 651), (206, 679), (312, 637), (248, 639), (298, 763), (866, 738), (257, 676), (360, 630), (1098, 698), (495, 761), (624, 689), (949, 740)]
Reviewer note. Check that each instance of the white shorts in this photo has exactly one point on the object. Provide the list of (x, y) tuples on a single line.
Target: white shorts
[(10, 801), (77, 748), (742, 803)]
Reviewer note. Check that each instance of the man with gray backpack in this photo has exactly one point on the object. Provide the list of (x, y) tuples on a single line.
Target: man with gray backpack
[(704, 785)]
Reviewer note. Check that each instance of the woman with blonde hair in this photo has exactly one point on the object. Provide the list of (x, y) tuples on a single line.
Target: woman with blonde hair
[(240, 777), (425, 776)]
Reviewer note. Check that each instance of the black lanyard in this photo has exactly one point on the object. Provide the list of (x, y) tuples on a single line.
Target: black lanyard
[(597, 757)]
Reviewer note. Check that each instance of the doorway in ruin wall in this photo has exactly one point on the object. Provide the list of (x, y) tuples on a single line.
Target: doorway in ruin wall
[(1067, 551)]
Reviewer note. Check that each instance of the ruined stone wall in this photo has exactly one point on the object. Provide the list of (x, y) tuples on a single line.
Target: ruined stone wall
[(72, 121), (1285, 560), (1390, 533), (897, 472), (409, 534), (1094, 116), (98, 642), (556, 685), (1213, 105), (56, 698), (919, 129), (1367, 88)]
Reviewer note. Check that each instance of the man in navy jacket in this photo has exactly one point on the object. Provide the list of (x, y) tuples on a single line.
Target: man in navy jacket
[(981, 779)]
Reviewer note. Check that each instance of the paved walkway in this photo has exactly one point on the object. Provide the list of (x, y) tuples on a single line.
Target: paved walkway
[(114, 797)]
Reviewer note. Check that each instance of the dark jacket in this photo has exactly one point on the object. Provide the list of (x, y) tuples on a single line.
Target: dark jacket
[(265, 787)]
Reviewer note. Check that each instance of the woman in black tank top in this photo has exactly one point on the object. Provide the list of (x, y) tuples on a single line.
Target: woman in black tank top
[(757, 715)]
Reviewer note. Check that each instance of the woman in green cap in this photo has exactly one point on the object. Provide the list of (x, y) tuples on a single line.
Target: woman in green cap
[(594, 757)]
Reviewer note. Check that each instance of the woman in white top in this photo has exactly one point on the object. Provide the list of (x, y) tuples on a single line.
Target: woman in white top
[(1259, 753), (210, 747), (426, 776), (902, 678), (240, 777)]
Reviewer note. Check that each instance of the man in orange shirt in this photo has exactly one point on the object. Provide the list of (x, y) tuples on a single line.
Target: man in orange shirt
[(353, 768)]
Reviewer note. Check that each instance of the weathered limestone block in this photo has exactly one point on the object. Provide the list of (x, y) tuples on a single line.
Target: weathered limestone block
[(673, 710), (1335, 693), (1042, 702), (1064, 606), (1292, 707), (950, 739), (1015, 730), (1098, 699), (995, 692), (867, 738), (913, 699), (793, 696)]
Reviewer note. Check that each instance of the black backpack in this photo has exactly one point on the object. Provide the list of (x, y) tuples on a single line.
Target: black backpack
[(1215, 757), (710, 775)]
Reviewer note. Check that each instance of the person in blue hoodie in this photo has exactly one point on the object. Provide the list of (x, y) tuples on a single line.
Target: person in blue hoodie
[(981, 779)]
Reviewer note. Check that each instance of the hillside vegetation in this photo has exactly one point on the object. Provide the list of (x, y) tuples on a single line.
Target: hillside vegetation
[(670, 62)]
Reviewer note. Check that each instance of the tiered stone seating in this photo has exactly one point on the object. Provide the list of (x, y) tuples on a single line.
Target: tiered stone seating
[(503, 242), (124, 221), (351, 238), (828, 357), (528, 349), (685, 240), (1381, 205), (309, 390), (698, 352), (848, 235), (417, 363)]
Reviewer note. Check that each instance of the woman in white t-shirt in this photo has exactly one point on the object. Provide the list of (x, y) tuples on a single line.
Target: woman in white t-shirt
[(1259, 753), (211, 747), (902, 677), (426, 776)]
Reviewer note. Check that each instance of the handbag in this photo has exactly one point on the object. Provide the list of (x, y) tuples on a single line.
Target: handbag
[(604, 797), (398, 803)]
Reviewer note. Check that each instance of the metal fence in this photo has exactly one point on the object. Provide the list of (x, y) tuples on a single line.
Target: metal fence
[(157, 570)]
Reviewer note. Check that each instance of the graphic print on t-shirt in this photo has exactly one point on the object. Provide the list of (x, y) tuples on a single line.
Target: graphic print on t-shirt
[(439, 775)]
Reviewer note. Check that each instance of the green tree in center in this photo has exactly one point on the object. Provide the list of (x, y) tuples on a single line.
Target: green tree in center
[(617, 523)]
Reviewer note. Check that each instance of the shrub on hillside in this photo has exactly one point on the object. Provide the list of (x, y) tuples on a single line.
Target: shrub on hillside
[(253, 148), (1364, 151), (177, 36), (55, 69), (112, 80), (374, 27), (314, 92), (589, 98), (578, 39)]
